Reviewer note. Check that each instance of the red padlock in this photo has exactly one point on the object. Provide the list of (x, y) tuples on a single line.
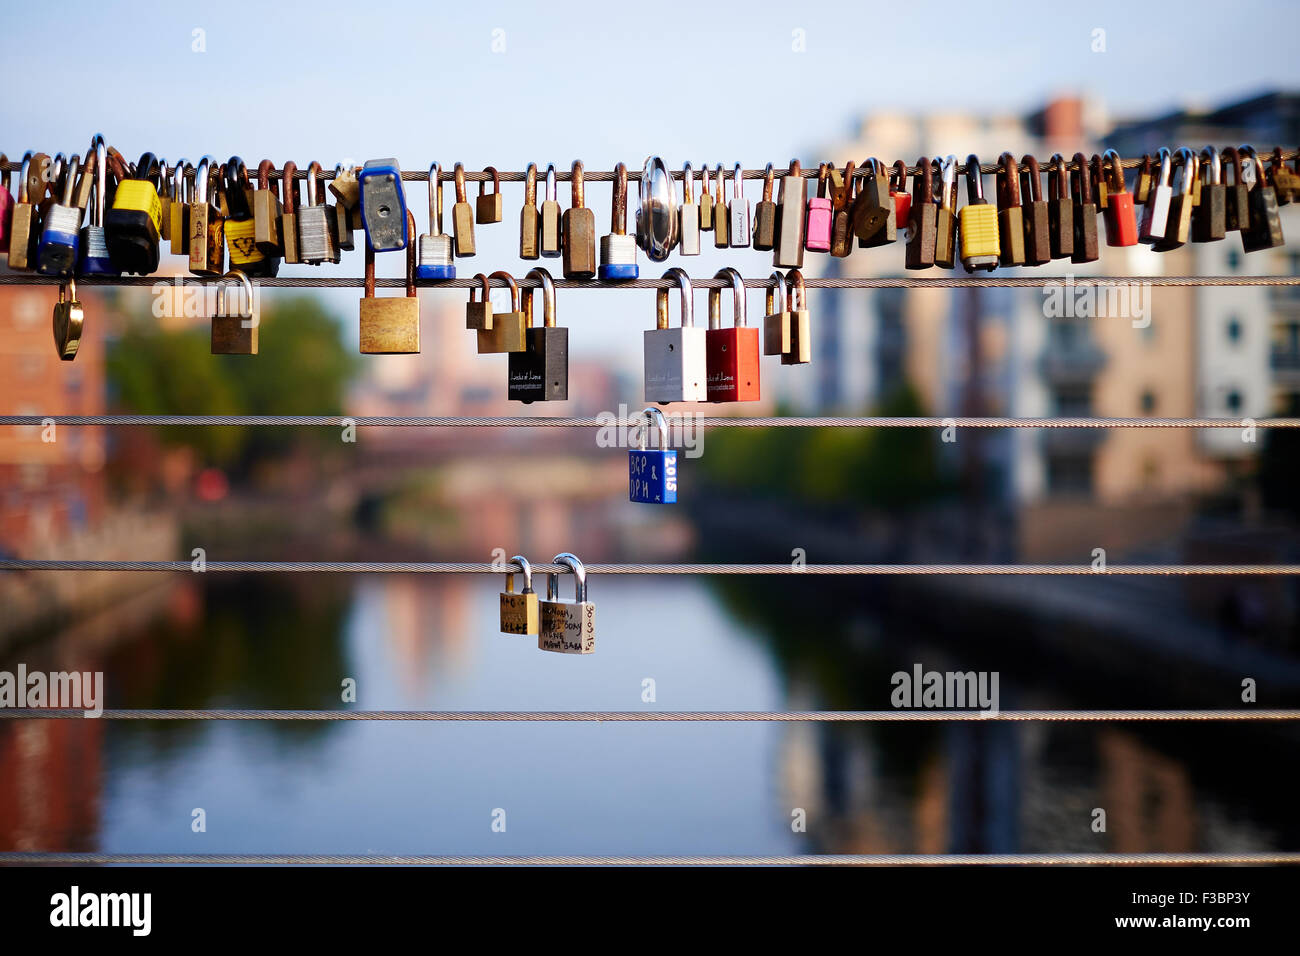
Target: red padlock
[(900, 194), (1121, 219), (731, 354), (817, 237), (6, 207)]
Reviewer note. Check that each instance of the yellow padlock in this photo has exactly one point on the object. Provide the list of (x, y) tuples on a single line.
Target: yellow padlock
[(978, 223)]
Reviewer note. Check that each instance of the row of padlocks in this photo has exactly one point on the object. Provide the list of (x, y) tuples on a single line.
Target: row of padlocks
[(565, 627)]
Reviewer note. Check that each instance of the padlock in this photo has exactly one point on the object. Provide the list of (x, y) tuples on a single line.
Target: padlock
[(6, 204), (341, 216), (800, 352), (1060, 208), (874, 222), (568, 627), (42, 177), (267, 212), (652, 474), (1100, 187), (923, 219), (776, 321), (1085, 212), (391, 325), (618, 249), (383, 208), (95, 257), (179, 211), (1178, 225), (509, 330), (676, 369), (578, 232), (540, 373), (315, 237), (738, 222), (721, 217), (899, 194), (529, 218), (1284, 180), (842, 205), (706, 201), (133, 224), (1038, 228), (489, 207), (817, 225), (437, 257), (241, 229), (688, 217), (1210, 217), (69, 317), (519, 611), (1155, 214), (978, 223), (22, 229), (656, 215), (790, 218), (164, 194), (945, 231), (731, 354), (1238, 202), (234, 331), (765, 215), (1142, 185), (1121, 218), (346, 187), (478, 314), (289, 218), (60, 242), (551, 235), (1011, 215), (462, 217), (1264, 231)]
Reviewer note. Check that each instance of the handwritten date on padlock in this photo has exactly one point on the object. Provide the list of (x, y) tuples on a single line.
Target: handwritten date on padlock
[(652, 476)]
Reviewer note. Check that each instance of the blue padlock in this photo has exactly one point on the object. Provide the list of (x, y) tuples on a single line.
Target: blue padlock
[(652, 475), (618, 249), (383, 204), (56, 252), (94, 258)]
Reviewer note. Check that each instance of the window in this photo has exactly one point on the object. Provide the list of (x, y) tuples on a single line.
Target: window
[(1233, 329), (1148, 402), (1234, 260), (1233, 401)]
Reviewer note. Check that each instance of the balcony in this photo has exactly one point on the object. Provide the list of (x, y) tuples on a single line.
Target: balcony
[(1073, 365), (1284, 359), (1072, 442)]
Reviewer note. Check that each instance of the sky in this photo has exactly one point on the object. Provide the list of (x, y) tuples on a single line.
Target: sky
[(509, 83)]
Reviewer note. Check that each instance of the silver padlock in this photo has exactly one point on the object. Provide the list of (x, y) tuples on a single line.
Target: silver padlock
[(1155, 214), (688, 219), (567, 627), (342, 215), (618, 249), (315, 238), (656, 214), (790, 223), (675, 360), (437, 256), (383, 205), (738, 212)]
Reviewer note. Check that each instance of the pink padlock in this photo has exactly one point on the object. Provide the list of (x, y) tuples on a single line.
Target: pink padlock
[(817, 237), (6, 207)]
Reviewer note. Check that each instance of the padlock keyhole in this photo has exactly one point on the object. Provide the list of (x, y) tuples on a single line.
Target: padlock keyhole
[(671, 347)]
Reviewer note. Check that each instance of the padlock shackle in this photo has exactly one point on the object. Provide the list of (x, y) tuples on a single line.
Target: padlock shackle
[(658, 419), (738, 183), (776, 291), (487, 288), (841, 197), (264, 170), (899, 173), (548, 298), (737, 297), (1033, 176), (1186, 160), (798, 291), (974, 179), (1211, 164), (705, 177), (576, 184), (234, 275), (514, 287), (1114, 168), (1252, 156), (530, 185), (823, 177), (1166, 161), (410, 253), (1058, 178), (571, 562), (1234, 163), (769, 178), (1008, 182), (99, 151), (288, 188), (524, 567), (435, 198), (23, 169), (315, 195), (235, 182), (688, 174), (618, 205), (459, 173), (720, 182), (687, 300), (496, 181), (948, 183), (552, 187), (1081, 181)]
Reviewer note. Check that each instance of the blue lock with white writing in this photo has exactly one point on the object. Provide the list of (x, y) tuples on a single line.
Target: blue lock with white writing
[(652, 474), (60, 242)]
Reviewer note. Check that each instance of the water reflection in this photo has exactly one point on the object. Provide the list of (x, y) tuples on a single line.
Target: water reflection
[(430, 642)]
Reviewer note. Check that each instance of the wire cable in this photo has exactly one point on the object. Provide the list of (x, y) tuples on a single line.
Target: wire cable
[(661, 716)]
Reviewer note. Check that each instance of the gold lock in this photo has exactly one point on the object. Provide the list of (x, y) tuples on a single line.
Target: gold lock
[(488, 208), (391, 326), (800, 351), (234, 331), (346, 187), (509, 329), (776, 320), (478, 315), (68, 320), (462, 217), (266, 212)]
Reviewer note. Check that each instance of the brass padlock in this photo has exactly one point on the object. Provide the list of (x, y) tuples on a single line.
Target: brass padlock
[(391, 326), (289, 218), (488, 208), (530, 225), (519, 610), (207, 225), (462, 217), (509, 329), (234, 331), (478, 315), (68, 320), (578, 232), (800, 352), (776, 321)]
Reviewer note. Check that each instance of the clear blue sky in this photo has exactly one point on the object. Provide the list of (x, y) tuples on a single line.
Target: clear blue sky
[(420, 81)]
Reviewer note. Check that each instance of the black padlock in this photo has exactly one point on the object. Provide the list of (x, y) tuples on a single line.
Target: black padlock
[(540, 373), (132, 227), (1264, 231), (1210, 216)]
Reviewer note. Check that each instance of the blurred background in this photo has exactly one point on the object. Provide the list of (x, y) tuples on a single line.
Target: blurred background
[(521, 83)]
